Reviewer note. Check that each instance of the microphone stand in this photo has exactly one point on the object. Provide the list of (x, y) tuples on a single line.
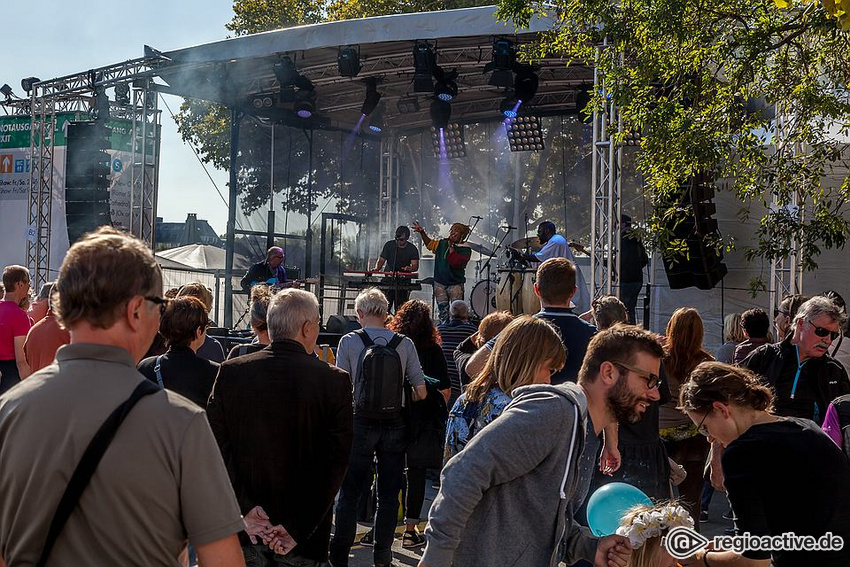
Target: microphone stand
[(487, 265)]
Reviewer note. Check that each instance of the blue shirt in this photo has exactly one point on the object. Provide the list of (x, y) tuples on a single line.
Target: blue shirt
[(466, 416)]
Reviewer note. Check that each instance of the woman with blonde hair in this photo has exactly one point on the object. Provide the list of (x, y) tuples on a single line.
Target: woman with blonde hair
[(513, 364), (733, 335), (682, 353), (646, 526)]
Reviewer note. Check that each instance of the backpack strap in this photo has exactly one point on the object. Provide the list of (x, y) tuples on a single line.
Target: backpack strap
[(364, 336), (88, 464), (396, 340), (157, 368)]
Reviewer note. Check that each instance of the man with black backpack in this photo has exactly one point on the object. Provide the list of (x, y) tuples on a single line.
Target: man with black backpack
[(379, 361)]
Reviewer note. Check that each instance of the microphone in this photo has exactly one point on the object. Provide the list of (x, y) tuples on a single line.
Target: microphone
[(509, 227), (479, 218)]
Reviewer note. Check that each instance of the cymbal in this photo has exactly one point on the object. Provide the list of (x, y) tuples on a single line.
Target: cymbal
[(480, 248), (531, 242)]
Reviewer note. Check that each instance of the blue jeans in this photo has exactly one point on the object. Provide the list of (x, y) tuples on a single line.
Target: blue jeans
[(386, 441), (262, 556)]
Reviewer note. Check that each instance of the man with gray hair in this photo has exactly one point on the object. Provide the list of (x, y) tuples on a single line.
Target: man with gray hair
[(380, 361), (454, 332), (283, 421), (805, 377)]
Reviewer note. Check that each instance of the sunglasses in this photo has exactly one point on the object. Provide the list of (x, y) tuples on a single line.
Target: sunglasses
[(703, 430), (161, 301), (652, 380), (776, 313), (821, 332)]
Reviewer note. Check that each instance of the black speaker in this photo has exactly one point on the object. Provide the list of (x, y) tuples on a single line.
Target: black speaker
[(342, 325), (87, 167), (700, 264)]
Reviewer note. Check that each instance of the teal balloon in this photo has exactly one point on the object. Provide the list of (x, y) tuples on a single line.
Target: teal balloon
[(610, 503)]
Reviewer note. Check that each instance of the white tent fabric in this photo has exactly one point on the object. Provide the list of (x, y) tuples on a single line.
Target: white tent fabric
[(199, 257)]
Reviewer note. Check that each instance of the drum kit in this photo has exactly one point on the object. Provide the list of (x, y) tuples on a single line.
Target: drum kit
[(510, 288)]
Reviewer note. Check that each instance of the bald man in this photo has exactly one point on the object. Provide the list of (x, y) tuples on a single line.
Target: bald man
[(269, 271)]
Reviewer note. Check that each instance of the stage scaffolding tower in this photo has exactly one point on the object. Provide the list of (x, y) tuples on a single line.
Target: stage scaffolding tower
[(74, 93), (388, 197), (606, 185)]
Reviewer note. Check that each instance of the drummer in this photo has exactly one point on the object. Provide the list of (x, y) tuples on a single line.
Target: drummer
[(450, 260), (555, 246)]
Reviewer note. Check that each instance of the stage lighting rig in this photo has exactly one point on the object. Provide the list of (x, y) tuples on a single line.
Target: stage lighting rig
[(263, 100), (28, 82), (348, 62), (502, 63), (509, 107), (285, 72), (454, 143), (376, 120), (525, 134), (445, 88), (441, 113), (100, 104), (6, 90), (424, 62), (305, 103), (122, 94), (373, 97), (408, 105), (525, 83)]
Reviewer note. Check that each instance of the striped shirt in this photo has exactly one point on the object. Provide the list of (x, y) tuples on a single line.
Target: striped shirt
[(453, 333)]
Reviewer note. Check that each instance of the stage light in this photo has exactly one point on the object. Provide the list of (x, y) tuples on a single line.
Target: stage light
[(262, 100), (524, 134), (285, 71), (446, 86), (27, 83), (504, 54), (424, 61), (454, 143), (631, 139), (509, 107), (100, 104), (122, 94), (348, 62), (6, 90), (441, 112), (408, 105), (373, 97), (376, 120), (305, 109), (526, 83)]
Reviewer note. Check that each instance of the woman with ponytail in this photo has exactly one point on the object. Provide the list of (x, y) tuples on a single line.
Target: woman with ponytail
[(782, 474)]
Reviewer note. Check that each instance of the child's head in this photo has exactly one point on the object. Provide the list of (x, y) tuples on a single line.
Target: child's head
[(646, 525)]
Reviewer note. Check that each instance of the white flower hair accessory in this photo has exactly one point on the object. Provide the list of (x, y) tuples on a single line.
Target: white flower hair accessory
[(653, 523)]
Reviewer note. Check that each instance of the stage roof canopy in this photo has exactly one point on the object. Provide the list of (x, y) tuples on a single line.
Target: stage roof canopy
[(232, 71)]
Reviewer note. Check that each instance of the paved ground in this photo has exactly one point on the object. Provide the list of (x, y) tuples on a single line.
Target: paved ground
[(361, 556)]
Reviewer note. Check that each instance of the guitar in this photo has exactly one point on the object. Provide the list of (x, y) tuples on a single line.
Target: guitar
[(275, 286)]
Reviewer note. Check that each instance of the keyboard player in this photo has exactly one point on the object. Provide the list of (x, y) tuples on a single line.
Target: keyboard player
[(399, 255)]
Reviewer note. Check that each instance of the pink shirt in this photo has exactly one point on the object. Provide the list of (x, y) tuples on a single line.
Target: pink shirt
[(14, 322)]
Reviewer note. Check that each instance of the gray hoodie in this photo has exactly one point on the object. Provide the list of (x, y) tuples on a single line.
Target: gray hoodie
[(504, 500)]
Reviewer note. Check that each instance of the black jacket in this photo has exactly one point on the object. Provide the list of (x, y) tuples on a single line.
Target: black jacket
[(284, 423), (821, 380), (183, 372)]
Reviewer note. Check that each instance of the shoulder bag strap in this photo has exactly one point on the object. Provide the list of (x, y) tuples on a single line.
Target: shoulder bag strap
[(157, 368), (88, 464)]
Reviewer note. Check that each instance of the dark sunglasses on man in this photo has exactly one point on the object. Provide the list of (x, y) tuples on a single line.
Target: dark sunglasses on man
[(822, 332)]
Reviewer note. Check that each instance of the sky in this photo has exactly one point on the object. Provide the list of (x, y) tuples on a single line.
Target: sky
[(53, 38)]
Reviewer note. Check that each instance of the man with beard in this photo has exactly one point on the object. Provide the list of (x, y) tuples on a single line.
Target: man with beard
[(799, 369), (498, 483)]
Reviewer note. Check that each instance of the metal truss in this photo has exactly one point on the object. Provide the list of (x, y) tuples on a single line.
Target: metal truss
[(145, 164), (74, 93), (605, 187), (388, 187)]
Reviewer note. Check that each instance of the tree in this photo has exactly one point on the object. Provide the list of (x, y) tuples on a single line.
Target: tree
[(698, 81)]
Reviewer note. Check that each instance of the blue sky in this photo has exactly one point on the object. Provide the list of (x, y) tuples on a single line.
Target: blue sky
[(52, 38)]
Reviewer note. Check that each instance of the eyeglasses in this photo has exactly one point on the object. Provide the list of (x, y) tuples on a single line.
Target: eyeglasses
[(822, 332), (776, 313), (703, 430), (161, 301), (652, 380)]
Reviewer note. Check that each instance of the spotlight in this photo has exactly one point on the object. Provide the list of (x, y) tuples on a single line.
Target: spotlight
[(631, 139), (122, 94), (6, 90), (509, 107), (304, 109), (424, 61), (441, 112), (376, 120), (501, 79), (408, 105), (348, 62), (454, 143), (446, 87), (373, 97), (504, 54), (525, 84), (285, 71), (100, 104), (27, 83), (262, 100), (525, 134)]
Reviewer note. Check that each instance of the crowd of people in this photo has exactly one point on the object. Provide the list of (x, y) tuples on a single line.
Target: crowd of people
[(129, 436)]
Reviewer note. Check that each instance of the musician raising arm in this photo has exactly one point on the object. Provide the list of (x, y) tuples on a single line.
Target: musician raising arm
[(450, 262)]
